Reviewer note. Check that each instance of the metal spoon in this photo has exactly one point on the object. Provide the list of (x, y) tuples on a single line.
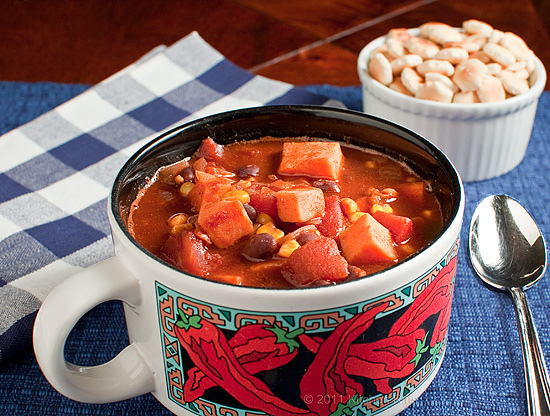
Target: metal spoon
[(507, 251)]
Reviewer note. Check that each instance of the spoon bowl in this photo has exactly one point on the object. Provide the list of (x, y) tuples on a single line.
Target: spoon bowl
[(507, 251), (507, 246)]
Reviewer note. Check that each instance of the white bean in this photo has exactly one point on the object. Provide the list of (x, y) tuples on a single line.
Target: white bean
[(395, 48), (397, 85), (491, 90), (436, 65), (380, 69), (435, 91), (470, 65), (411, 80), (512, 83), (435, 76), (477, 26), (423, 47), (469, 74), (453, 55), (499, 54), (515, 45), (465, 97), (405, 61)]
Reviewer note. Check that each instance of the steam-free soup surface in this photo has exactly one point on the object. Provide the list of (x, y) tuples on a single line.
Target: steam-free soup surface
[(285, 213)]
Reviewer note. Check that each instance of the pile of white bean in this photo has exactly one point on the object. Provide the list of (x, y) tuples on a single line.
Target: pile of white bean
[(470, 65)]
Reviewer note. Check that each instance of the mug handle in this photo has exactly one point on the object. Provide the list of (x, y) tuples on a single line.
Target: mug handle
[(127, 375)]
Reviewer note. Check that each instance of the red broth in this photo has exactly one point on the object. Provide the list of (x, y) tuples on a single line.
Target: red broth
[(267, 213)]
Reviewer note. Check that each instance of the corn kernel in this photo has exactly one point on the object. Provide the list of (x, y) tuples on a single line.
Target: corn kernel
[(288, 247), (255, 227), (263, 218), (177, 219), (269, 228), (349, 206), (356, 215), (370, 164), (186, 187), (237, 195), (427, 213), (178, 179), (381, 207)]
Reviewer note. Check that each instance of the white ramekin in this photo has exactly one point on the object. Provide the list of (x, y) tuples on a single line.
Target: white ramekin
[(483, 140)]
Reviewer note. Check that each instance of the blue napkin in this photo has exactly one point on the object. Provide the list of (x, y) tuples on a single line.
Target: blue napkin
[(56, 171)]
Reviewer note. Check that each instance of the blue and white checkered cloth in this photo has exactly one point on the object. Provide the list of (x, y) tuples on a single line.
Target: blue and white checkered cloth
[(56, 171)]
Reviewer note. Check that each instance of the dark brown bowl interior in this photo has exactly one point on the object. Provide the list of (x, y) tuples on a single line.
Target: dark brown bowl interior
[(290, 121)]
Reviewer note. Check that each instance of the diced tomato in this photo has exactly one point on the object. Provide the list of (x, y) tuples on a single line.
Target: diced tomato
[(299, 205), (314, 159), (225, 222), (317, 260), (366, 241), (333, 220), (266, 202), (400, 227), (210, 150), (188, 253)]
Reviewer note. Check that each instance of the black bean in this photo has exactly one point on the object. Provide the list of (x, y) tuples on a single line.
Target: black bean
[(355, 272), (248, 171), (305, 237), (188, 174), (326, 186), (260, 247), (251, 211)]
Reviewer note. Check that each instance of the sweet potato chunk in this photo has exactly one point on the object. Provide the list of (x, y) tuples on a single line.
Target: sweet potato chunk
[(208, 188), (314, 159), (300, 204), (316, 261), (400, 227), (366, 241), (333, 220), (225, 222), (415, 192)]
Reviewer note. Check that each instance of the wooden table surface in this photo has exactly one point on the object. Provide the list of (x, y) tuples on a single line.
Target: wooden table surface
[(297, 41)]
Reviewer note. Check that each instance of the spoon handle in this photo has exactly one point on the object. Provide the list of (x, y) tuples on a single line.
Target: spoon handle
[(536, 373)]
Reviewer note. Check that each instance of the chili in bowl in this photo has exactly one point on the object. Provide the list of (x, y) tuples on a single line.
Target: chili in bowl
[(244, 212), (317, 326)]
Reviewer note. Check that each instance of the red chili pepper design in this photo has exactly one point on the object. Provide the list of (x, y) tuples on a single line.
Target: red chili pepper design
[(326, 376), (258, 347), (210, 352), (311, 343), (436, 298), (431, 301), (391, 357), (440, 328)]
